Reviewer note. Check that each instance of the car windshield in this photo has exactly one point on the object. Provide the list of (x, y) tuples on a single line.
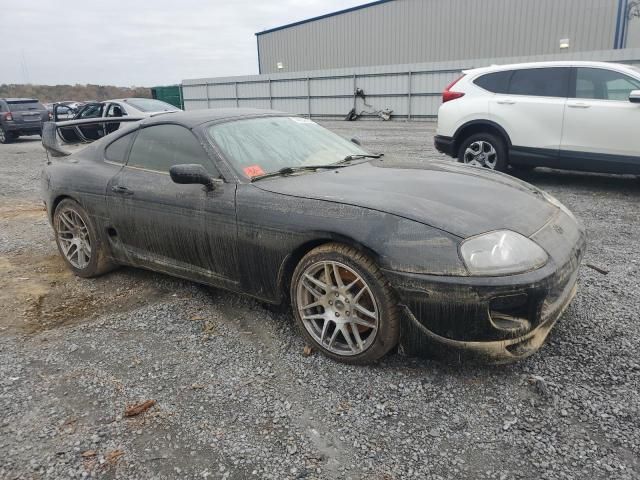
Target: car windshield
[(25, 106), (262, 145), (150, 105)]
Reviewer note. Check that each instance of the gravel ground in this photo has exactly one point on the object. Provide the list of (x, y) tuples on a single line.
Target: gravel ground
[(236, 397)]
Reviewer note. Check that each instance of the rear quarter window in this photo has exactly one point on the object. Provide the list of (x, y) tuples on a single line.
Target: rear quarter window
[(496, 82), (540, 82)]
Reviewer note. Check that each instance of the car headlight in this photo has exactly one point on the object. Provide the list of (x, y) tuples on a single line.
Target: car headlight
[(500, 253), (554, 201)]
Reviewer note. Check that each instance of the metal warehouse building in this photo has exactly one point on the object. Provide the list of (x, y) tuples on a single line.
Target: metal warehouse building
[(415, 31), (398, 55)]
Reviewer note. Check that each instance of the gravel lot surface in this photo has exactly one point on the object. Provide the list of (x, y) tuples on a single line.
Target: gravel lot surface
[(236, 397)]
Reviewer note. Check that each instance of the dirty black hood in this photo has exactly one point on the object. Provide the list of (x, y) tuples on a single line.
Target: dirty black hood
[(459, 199)]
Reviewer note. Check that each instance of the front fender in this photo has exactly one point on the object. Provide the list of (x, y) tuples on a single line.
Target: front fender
[(275, 231)]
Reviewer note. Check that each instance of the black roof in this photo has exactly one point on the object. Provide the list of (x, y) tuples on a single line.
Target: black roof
[(197, 117)]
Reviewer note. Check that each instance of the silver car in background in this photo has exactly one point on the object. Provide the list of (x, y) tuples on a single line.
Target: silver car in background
[(131, 109), (125, 107)]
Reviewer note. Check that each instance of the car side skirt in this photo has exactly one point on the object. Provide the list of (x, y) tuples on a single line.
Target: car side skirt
[(574, 160)]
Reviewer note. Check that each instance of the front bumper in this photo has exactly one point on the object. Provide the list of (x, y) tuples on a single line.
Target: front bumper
[(492, 319), (444, 145)]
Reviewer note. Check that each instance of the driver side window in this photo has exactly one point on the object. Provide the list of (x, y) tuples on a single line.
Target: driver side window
[(602, 84), (160, 147)]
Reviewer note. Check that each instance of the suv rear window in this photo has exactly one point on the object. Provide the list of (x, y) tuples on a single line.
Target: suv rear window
[(496, 82), (25, 106), (540, 82)]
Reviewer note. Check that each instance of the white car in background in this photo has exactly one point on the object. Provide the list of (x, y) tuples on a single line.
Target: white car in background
[(132, 109), (568, 115), (122, 107)]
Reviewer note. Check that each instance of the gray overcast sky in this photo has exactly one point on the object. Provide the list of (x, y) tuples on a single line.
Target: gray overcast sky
[(140, 42)]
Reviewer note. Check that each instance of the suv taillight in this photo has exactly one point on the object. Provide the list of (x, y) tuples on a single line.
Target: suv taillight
[(448, 94), (8, 117), (50, 115)]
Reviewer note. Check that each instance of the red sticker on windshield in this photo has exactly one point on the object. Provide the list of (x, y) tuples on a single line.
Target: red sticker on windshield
[(253, 171)]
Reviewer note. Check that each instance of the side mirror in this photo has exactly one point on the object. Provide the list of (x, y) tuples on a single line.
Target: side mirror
[(189, 174), (634, 96), (356, 141)]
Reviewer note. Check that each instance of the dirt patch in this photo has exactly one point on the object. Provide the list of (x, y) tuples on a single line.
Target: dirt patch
[(32, 210), (39, 293)]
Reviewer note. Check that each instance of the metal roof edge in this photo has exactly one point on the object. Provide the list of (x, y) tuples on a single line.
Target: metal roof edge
[(326, 15), (455, 65)]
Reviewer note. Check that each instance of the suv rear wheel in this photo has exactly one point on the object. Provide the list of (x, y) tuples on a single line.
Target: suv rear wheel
[(484, 150), (5, 137)]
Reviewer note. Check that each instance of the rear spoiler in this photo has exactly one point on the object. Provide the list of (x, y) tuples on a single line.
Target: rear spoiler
[(75, 132)]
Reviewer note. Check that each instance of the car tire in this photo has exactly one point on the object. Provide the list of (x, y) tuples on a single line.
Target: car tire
[(484, 150), (75, 231), (355, 319), (5, 137)]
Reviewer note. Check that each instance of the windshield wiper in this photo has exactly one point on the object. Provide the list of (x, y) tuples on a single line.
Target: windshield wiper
[(350, 158), (290, 170)]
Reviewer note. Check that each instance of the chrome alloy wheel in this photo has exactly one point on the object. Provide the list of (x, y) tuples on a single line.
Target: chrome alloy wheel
[(73, 237), (481, 154), (3, 136), (337, 308)]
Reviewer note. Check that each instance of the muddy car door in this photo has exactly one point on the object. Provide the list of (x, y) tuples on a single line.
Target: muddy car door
[(185, 230)]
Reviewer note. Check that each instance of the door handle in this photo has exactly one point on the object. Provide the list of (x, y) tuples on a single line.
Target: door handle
[(506, 101), (121, 190), (578, 105)]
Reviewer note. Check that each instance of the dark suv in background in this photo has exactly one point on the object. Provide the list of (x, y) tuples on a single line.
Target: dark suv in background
[(21, 116)]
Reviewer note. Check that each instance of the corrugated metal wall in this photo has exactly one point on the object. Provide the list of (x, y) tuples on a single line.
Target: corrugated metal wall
[(412, 91), (412, 31)]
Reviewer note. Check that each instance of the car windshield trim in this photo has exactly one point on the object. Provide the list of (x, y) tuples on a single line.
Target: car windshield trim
[(351, 158), (285, 171), (345, 162)]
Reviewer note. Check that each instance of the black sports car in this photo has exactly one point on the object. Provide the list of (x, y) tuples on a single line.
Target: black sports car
[(371, 253)]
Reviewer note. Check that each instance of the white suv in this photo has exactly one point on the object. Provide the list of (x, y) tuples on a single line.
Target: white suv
[(572, 115)]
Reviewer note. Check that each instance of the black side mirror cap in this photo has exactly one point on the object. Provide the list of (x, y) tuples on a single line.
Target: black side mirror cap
[(356, 141), (190, 174)]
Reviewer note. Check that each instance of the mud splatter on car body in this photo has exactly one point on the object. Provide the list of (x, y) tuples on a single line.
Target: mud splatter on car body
[(249, 236)]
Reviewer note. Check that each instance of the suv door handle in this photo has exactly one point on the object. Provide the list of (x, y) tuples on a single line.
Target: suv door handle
[(506, 101), (578, 105), (121, 190)]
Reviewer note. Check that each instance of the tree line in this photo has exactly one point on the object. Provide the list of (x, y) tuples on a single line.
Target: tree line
[(57, 93)]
